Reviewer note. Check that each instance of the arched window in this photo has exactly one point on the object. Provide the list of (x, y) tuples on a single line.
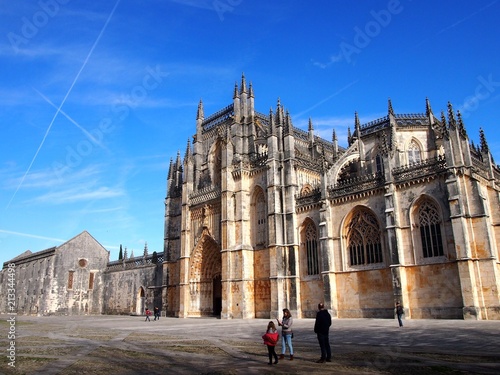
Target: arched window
[(349, 170), (311, 242), (363, 239), (429, 221), (414, 153), (380, 164), (260, 218), (305, 190)]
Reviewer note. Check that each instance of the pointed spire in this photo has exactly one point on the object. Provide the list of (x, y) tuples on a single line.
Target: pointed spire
[(272, 123), (451, 116), (171, 169), (288, 124), (461, 126), (310, 131), (357, 125), (444, 126), (145, 250), (125, 253), (178, 164), (250, 91), (482, 139), (390, 110), (279, 113), (443, 119), (200, 115), (335, 145), (188, 152), (132, 254), (170, 178), (428, 109), (236, 93), (243, 88), (349, 137)]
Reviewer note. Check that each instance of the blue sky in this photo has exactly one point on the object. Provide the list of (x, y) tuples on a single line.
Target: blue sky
[(97, 97)]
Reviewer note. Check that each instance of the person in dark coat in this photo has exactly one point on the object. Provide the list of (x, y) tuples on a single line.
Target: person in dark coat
[(156, 313), (399, 313), (322, 328)]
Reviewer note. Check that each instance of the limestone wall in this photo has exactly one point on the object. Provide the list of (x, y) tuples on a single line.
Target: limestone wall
[(433, 291), (130, 291), (85, 259), (365, 294), (67, 279), (262, 284)]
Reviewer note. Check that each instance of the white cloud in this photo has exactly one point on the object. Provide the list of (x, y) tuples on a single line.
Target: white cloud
[(78, 194), (31, 235), (48, 179)]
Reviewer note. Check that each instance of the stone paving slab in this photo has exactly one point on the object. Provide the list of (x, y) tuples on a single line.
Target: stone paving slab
[(129, 345)]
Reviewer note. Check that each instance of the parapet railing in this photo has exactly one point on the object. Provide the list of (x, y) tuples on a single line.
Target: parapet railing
[(135, 262)]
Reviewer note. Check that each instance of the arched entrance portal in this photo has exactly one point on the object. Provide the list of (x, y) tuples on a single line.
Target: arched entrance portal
[(205, 281), (140, 304), (217, 288)]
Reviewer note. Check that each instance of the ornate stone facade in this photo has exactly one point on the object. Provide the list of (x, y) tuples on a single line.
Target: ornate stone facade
[(261, 215)]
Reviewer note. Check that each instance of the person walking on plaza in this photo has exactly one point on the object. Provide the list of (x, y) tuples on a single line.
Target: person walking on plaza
[(399, 313), (270, 340), (148, 313), (286, 333), (156, 313), (321, 329)]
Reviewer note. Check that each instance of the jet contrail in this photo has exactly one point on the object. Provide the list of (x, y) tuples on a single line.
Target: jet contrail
[(64, 100)]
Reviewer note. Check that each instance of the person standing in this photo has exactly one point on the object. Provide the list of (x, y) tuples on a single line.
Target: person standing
[(286, 333), (156, 313), (399, 313), (321, 329), (148, 313), (270, 339)]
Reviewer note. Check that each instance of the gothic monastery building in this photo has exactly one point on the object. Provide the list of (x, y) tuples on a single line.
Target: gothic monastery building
[(261, 215)]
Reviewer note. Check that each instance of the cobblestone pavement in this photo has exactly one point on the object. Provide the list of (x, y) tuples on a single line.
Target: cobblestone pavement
[(129, 345)]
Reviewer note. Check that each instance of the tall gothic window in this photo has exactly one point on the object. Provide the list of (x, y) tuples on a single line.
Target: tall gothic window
[(414, 153), (70, 279), (380, 164), (260, 218), (430, 230), (91, 280), (364, 239), (311, 241)]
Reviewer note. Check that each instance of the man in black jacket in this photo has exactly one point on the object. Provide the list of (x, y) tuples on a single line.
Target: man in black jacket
[(321, 328)]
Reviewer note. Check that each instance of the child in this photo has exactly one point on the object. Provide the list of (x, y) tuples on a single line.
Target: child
[(270, 339), (148, 313)]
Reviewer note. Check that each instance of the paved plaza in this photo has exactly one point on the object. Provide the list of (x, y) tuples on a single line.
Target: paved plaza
[(129, 345)]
